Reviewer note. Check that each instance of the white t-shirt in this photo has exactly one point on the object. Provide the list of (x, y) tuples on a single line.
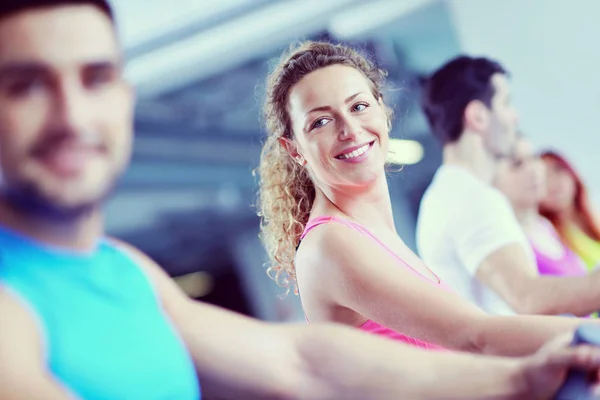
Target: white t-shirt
[(462, 220)]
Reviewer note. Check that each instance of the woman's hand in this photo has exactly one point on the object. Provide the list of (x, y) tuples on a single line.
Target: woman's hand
[(546, 371)]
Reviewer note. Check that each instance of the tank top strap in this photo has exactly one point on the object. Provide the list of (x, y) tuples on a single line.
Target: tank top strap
[(313, 223), (366, 232)]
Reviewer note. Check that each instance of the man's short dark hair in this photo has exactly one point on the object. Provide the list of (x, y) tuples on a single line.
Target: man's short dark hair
[(10, 7), (451, 88)]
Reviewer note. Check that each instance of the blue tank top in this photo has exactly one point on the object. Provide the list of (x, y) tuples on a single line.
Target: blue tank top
[(106, 335)]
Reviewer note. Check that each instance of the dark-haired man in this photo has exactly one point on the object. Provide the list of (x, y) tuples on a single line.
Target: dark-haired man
[(467, 231)]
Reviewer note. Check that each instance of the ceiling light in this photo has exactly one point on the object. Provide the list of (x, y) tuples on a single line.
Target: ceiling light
[(404, 152)]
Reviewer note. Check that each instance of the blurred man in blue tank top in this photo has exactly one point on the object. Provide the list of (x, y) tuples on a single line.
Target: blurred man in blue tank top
[(84, 316)]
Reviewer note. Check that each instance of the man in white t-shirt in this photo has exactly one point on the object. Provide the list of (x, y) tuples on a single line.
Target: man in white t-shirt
[(466, 231)]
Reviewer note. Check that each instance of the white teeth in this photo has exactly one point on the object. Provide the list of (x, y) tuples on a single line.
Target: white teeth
[(355, 153)]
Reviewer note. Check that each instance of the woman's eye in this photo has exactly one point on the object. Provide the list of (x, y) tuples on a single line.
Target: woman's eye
[(319, 123), (360, 107)]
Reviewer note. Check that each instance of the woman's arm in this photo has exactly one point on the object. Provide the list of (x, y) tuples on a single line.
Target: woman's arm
[(354, 272), (373, 370), (239, 357)]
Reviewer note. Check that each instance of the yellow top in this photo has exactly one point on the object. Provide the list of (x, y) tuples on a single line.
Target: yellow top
[(586, 247)]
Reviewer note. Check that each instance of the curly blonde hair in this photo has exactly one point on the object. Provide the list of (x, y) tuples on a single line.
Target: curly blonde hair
[(286, 191)]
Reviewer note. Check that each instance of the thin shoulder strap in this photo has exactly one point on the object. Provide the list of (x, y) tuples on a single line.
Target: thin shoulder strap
[(324, 220), (364, 231)]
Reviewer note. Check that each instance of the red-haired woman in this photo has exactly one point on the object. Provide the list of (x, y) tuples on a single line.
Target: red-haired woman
[(568, 207)]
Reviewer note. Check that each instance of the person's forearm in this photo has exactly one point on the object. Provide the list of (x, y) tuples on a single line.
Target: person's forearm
[(578, 295), (340, 363), (522, 334), (549, 295)]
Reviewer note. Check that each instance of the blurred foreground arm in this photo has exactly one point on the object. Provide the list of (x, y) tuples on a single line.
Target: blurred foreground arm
[(238, 357)]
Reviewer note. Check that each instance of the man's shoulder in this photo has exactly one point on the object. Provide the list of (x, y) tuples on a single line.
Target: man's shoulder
[(165, 287), (16, 316), (23, 349), (458, 186), (448, 194), (140, 258), (457, 205)]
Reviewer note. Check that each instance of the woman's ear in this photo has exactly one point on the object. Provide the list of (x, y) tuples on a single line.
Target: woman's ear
[(292, 149)]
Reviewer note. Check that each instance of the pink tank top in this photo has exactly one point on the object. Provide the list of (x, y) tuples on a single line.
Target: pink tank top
[(372, 326), (569, 264)]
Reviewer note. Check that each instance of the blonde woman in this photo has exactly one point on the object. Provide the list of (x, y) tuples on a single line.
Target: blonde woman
[(327, 215)]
